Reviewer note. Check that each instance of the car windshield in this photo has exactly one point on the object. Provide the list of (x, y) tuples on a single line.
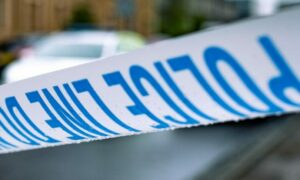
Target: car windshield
[(70, 50)]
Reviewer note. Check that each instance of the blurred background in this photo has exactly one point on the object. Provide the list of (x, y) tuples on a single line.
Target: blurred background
[(40, 33), (40, 36)]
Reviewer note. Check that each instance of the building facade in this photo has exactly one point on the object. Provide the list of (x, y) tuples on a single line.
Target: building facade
[(19, 17)]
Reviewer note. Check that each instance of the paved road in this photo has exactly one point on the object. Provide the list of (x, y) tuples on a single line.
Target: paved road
[(283, 163), (177, 155)]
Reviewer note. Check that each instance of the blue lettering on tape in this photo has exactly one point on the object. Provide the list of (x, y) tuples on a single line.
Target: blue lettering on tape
[(66, 112)]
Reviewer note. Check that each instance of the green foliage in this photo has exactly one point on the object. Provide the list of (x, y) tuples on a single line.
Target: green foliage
[(82, 14), (176, 20)]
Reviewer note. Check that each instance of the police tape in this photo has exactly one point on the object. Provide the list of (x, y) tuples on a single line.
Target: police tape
[(240, 71)]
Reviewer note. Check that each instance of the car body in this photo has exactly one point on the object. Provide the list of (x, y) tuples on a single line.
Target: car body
[(67, 49)]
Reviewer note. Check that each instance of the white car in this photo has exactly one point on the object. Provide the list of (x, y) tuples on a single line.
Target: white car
[(66, 49)]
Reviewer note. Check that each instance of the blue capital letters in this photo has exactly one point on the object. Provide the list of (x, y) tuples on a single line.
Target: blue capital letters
[(212, 56), (287, 79)]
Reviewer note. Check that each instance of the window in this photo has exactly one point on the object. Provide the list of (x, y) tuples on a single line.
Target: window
[(70, 51)]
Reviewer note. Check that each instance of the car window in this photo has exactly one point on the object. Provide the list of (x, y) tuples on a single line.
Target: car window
[(70, 51)]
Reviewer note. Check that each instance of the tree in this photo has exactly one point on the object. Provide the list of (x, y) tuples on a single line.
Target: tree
[(176, 20), (82, 15)]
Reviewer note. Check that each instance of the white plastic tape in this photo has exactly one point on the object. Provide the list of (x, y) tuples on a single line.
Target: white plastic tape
[(240, 71)]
